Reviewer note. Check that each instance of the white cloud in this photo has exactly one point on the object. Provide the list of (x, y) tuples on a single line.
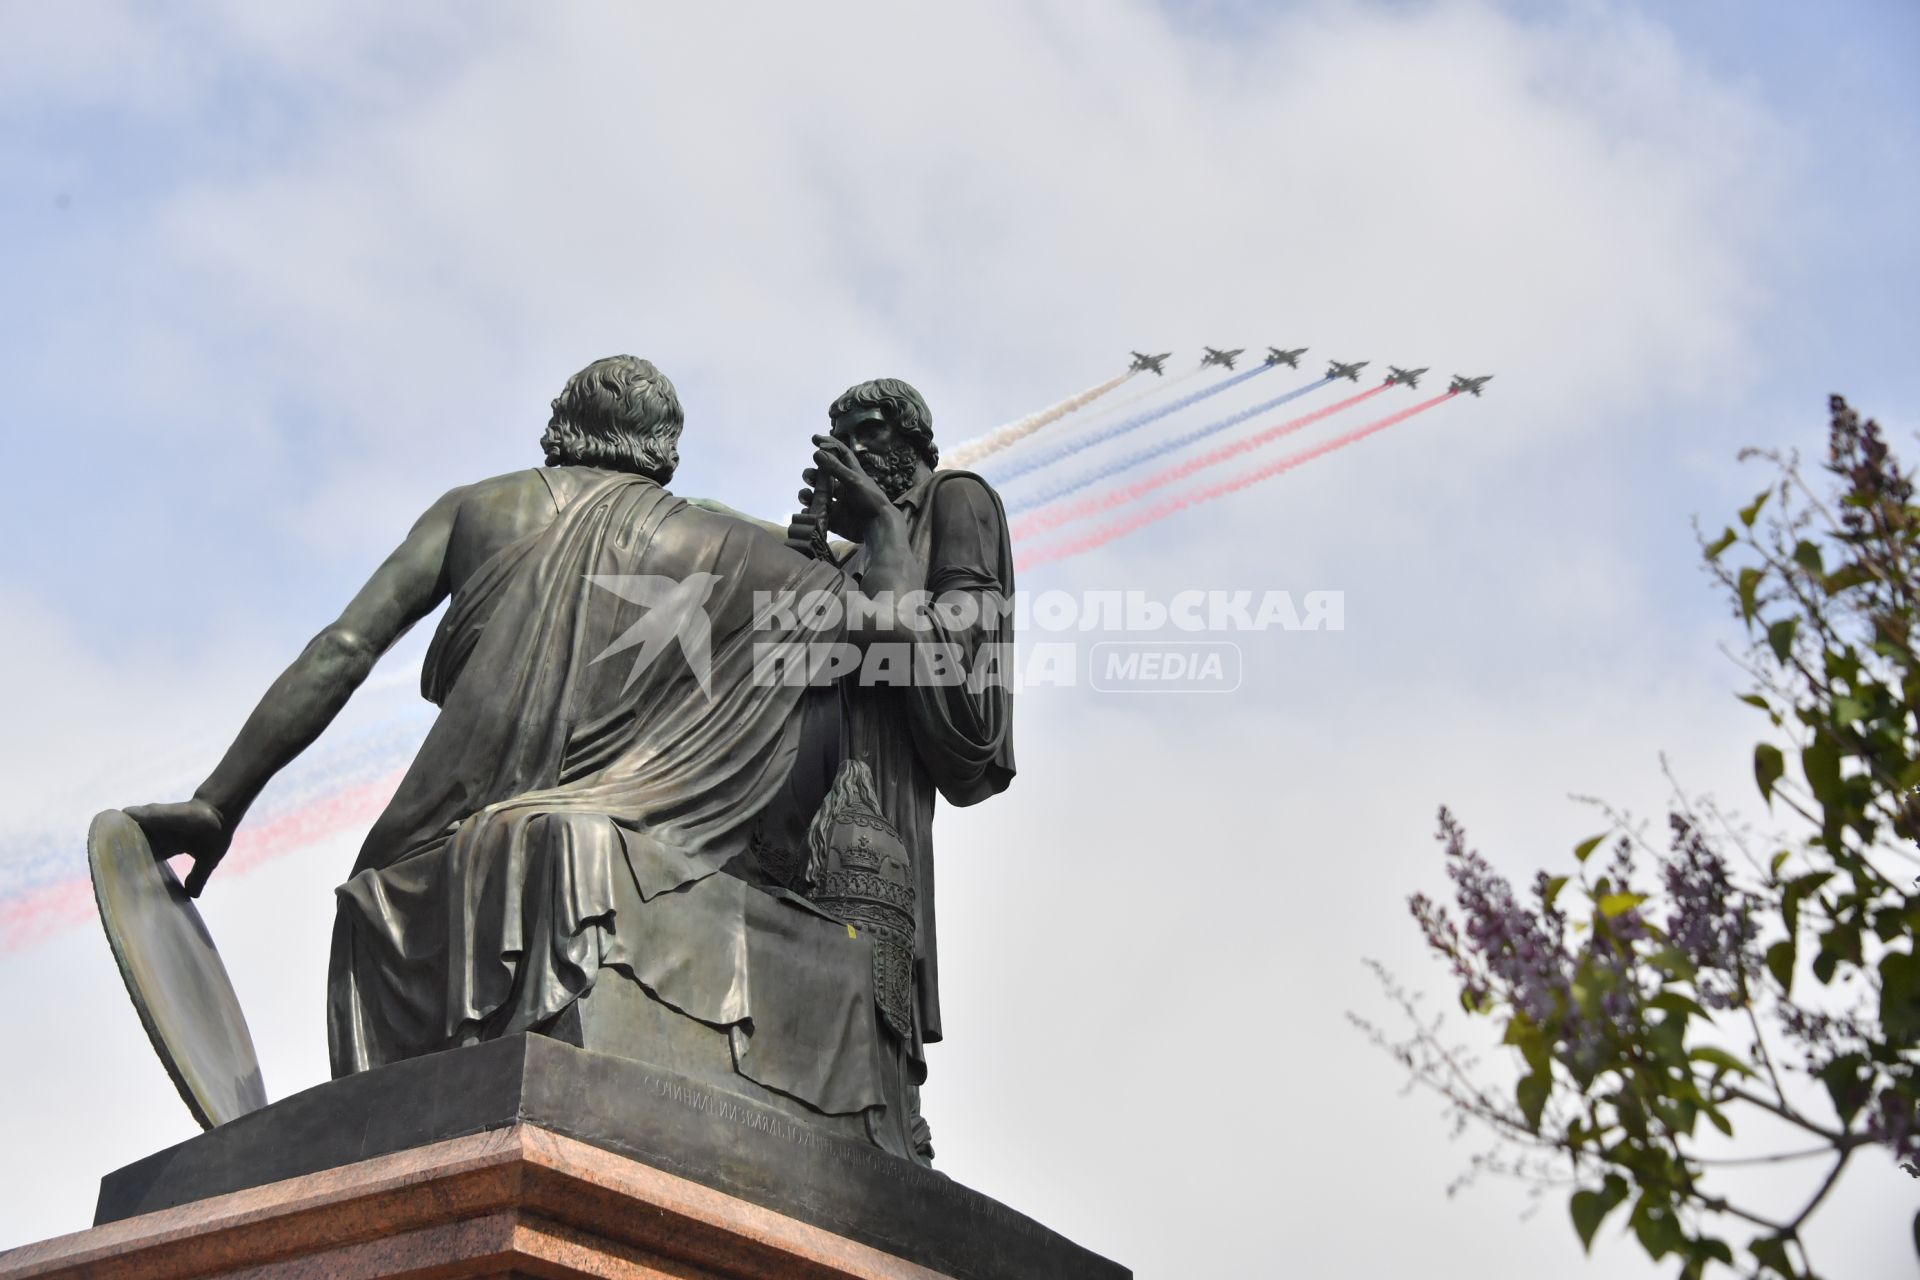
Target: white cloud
[(775, 206)]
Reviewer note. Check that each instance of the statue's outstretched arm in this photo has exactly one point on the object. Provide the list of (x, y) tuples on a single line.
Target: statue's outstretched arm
[(307, 696)]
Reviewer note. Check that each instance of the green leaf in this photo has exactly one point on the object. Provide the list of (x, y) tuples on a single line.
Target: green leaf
[(1807, 556), (1824, 966), (1755, 700), (1675, 1002), (1590, 1208), (1721, 543), (1845, 1085), (1780, 961), (1779, 861), (1751, 512), (1673, 962), (1843, 665), (1780, 636), (1749, 584), (1768, 768), (1554, 886), (1893, 922), (1614, 904), (1585, 848), (1531, 1094), (1771, 1251), (1720, 1058), (1654, 1222), (1708, 1249), (1900, 997), (1820, 761), (1795, 893), (1846, 577), (1666, 1042)]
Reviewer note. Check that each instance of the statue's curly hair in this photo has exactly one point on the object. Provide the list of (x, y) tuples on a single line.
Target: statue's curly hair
[(619, 413), (905, 410)]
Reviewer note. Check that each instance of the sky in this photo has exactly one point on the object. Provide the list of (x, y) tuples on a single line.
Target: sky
[(277, 277)]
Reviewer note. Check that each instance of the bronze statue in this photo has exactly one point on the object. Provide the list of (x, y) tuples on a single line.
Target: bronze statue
[(607, 744), (920, 736)]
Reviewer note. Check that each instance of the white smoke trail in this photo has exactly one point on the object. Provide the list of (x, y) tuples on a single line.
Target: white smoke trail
[(971, 451), (1154, 387)]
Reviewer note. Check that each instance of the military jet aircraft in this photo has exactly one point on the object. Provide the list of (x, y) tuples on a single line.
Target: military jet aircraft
[(1216, 356), (1349, 371), (1407, 377), (1289, 358), (1150, 364), (1469, 385)]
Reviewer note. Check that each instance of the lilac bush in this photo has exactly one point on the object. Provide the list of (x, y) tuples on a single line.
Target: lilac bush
[(1661, 995)]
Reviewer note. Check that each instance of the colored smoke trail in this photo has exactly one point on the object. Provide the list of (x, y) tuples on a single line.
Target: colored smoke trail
[(1180, 441), (40, 913), (1233, 484), (1125, 425), (44, 887), (1053, 519), (1105, 411), (968, 452), (1155, 386)]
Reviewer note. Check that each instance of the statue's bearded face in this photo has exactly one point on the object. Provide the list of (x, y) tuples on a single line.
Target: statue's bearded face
[(884, 453)]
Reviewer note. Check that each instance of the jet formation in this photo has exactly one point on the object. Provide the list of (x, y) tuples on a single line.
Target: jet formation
[(1350, 370)]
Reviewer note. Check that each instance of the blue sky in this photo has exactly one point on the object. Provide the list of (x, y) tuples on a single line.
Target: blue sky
[(277, 278)]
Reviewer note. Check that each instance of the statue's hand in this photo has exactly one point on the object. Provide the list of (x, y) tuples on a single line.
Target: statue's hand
[(193, 827), (858, 499)]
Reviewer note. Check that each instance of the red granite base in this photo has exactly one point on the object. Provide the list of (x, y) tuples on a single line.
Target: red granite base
[(517, 1202)]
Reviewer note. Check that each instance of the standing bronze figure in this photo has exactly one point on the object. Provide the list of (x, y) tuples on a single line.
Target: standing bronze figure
[(919, 734)]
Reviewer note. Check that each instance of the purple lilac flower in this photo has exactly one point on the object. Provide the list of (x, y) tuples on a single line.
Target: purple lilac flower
[(1892, 1120), (1522, 953), (1710, 920)]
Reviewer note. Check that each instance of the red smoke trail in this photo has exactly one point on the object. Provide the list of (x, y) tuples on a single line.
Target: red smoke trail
[(1053, 517), (1161, 510), (50, 909), (43, 913)]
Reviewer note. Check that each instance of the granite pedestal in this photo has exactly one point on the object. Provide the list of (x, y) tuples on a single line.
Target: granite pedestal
[(525, 1156)]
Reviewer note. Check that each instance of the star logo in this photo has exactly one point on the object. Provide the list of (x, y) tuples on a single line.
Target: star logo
[(675, 612)]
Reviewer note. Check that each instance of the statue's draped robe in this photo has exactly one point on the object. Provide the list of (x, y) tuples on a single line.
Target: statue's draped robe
[(567, 812), (954, 740)]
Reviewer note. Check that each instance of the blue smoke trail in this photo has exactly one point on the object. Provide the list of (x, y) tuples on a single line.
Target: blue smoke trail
[(1145, 455), (1138, 420)]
